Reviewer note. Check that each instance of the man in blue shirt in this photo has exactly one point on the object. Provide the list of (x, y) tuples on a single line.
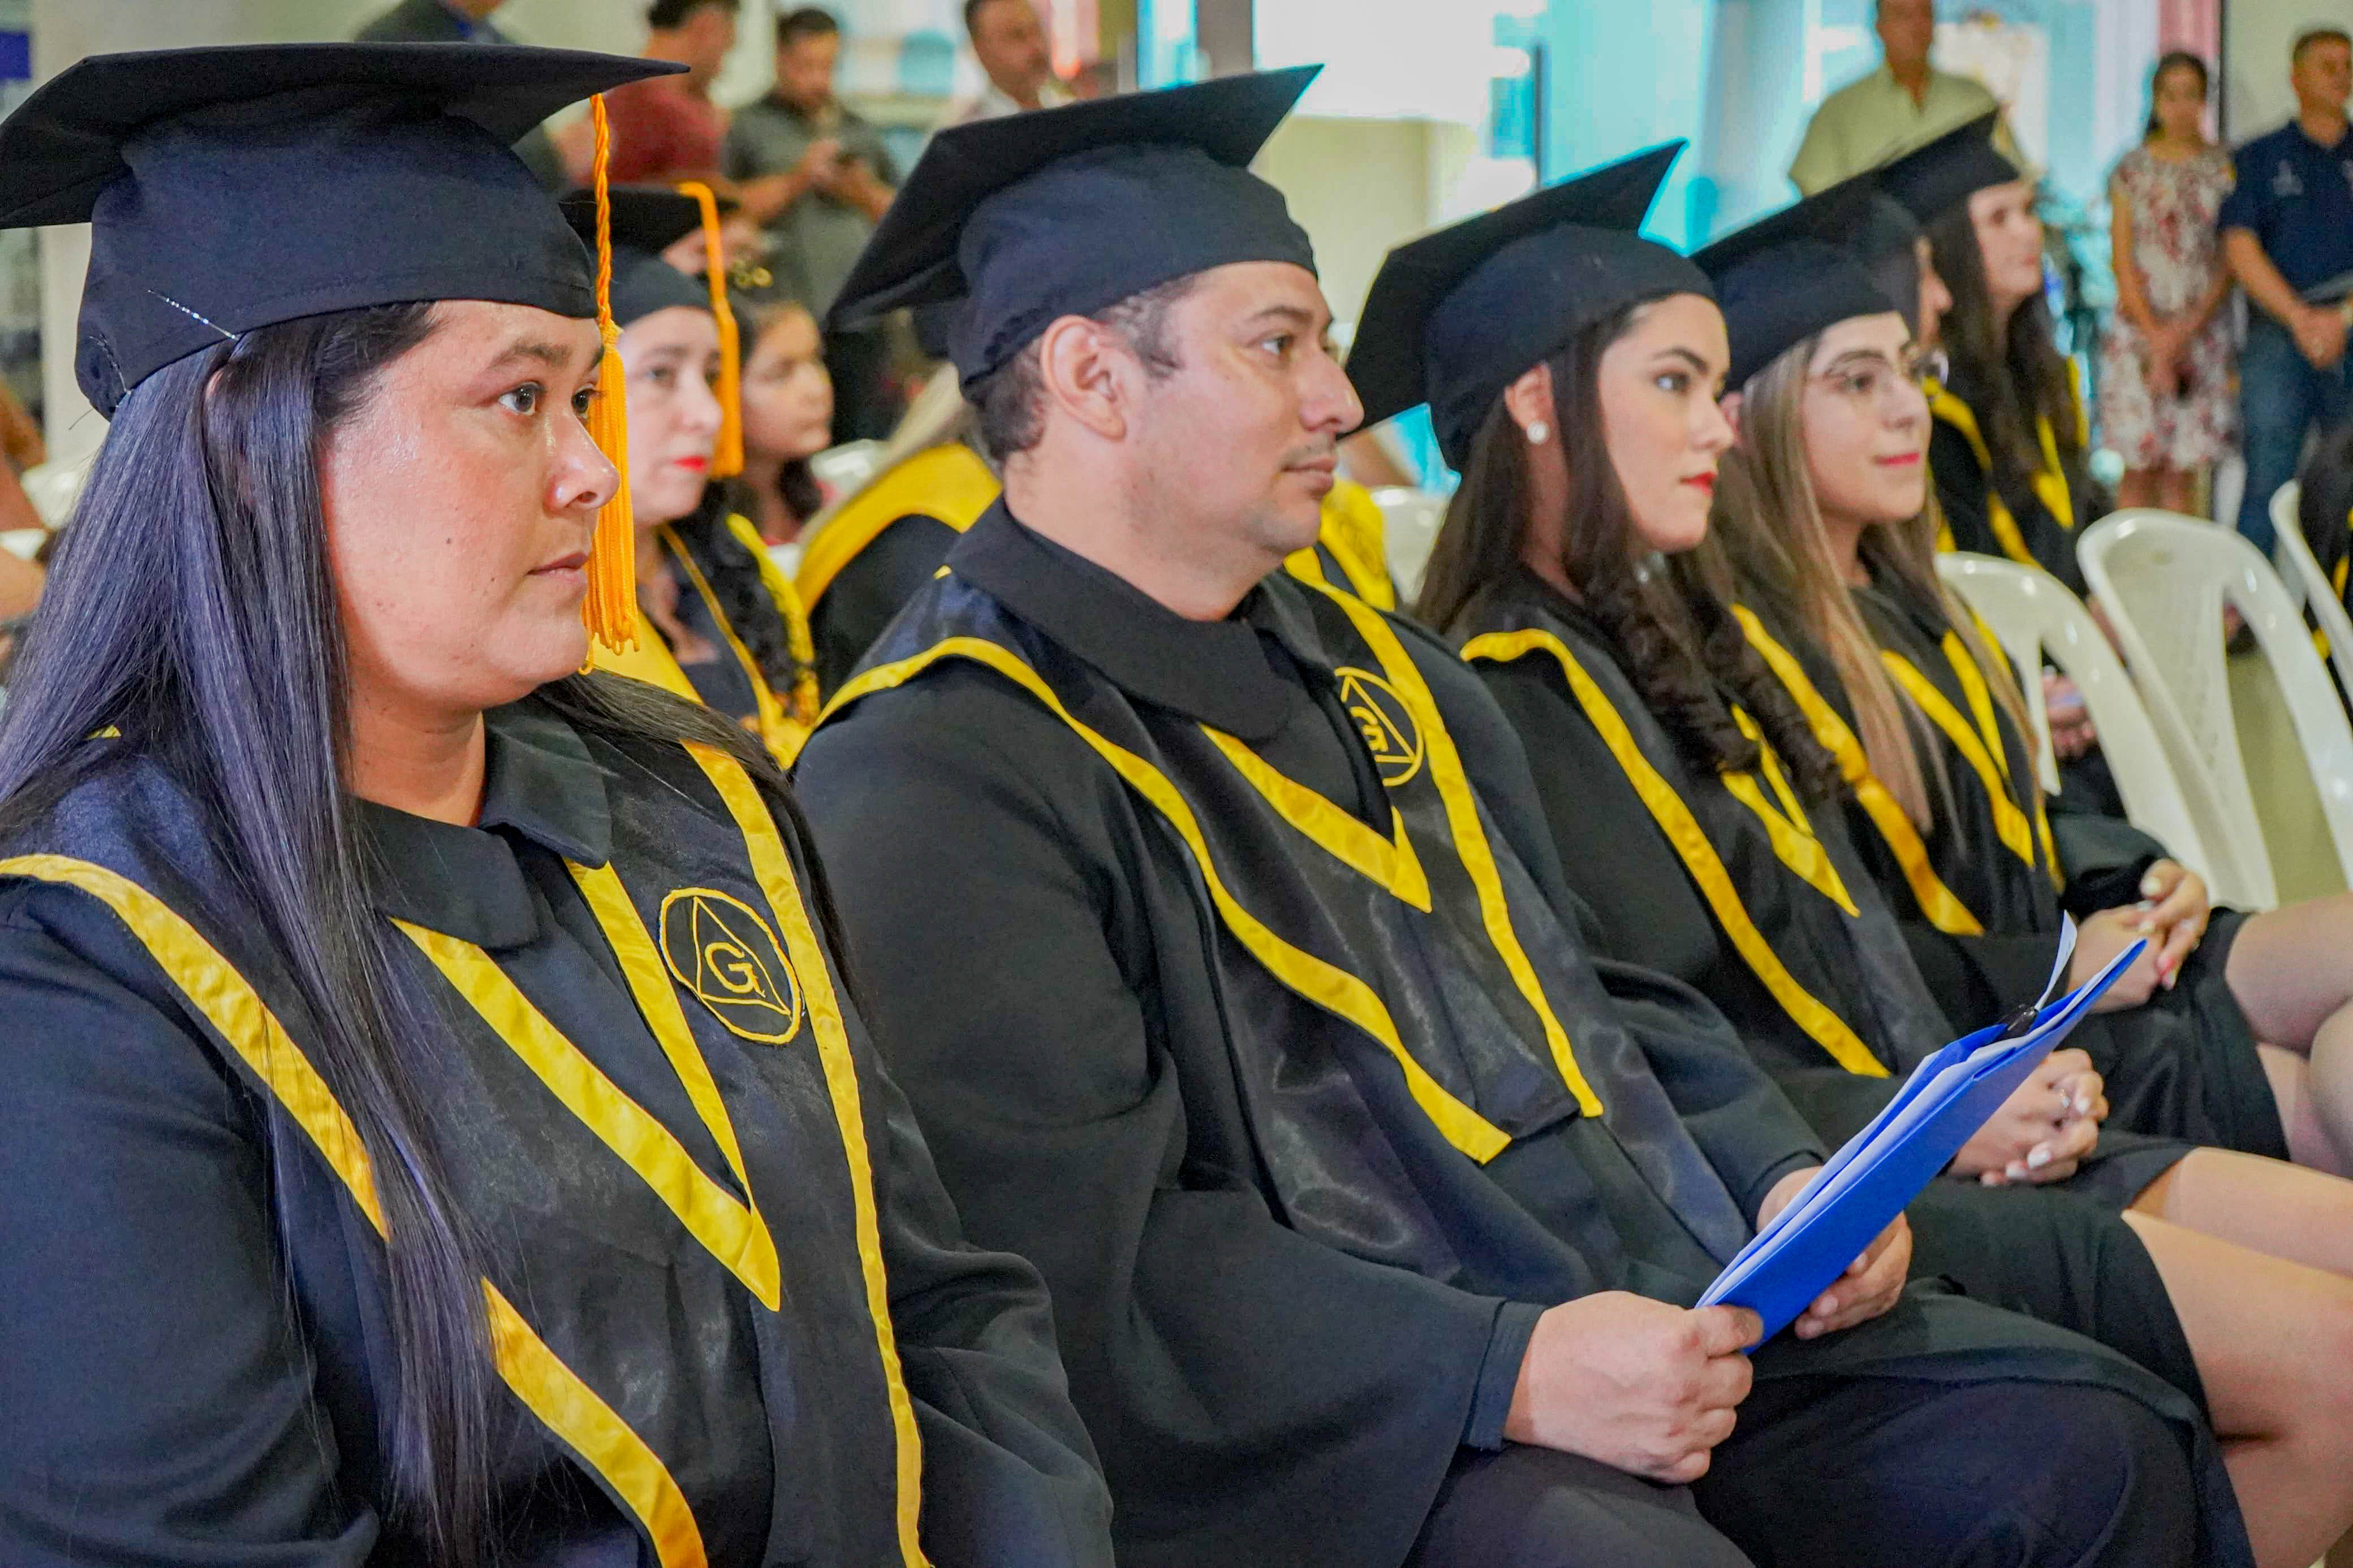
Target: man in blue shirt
[(2287, 229)]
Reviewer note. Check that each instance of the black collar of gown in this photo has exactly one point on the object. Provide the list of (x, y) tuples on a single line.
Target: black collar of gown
[(1524, 584), (1214, 671), (539, 783)]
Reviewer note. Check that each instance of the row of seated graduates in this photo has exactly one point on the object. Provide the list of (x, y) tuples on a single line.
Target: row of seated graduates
[(876, 550), (1866, 1444), (1834, 994), (1721, 814)]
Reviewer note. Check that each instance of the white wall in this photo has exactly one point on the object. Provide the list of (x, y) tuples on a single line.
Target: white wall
[(2256, 37), (66, 30), (1359, 186)]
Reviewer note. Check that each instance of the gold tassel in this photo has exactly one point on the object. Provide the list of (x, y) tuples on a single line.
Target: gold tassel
[(727, 459), (610, 610)]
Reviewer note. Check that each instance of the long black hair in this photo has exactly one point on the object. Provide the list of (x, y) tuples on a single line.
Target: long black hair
[(737, 583), (2011, 378), (193, 607), (1682, 655)]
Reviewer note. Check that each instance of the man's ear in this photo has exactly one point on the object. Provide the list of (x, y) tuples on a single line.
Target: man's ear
[(1529, 402), (1731, 405), (1086, 370)]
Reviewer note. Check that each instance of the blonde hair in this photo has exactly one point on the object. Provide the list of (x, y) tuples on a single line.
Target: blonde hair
[(1770, 546)]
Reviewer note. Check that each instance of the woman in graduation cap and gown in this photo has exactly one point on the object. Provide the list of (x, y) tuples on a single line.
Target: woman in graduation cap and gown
[(717, 621), (1571, 367), (2012, 438), (435, 1124), (2239, 1033)]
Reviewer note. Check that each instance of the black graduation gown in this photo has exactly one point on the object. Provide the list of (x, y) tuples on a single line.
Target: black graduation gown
[(868, 591), (2325, 510), (1755, 898), (2031, 520), (1979, 902), (727, 1293), (712, 546), (1287, 1298)]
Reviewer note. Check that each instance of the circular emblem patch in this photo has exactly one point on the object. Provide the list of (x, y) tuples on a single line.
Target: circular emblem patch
[(724, 954), (1389, 732)]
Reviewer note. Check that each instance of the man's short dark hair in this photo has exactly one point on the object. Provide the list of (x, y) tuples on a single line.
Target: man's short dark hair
[(2311, 36), (972, 10), (1010, 408), (666, 15), (808, 22)]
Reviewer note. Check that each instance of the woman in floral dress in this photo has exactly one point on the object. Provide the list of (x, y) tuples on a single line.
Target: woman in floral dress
[(2164, 395)]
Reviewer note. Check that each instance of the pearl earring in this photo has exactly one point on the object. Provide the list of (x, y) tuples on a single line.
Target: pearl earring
[(1539, 433)]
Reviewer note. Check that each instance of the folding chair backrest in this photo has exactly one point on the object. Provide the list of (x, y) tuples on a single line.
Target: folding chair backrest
[(842, 468), (1409, 523), (54, 487), (2036, 618), (2163, 580)]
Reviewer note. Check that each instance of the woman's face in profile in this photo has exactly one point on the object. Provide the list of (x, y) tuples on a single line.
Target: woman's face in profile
[(460, 500), (2009, 242), (671, 359), (1658, 384), (787, 395), (1867, 422)]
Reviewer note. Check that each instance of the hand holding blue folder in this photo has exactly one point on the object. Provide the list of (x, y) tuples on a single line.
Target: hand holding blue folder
[(1884, 1167)]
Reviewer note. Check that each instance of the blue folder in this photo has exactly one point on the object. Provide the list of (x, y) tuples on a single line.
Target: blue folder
[(1887, 1164)]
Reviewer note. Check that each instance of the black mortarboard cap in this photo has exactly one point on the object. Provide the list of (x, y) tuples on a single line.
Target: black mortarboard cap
[(1785, 278), (1883, 227), (1066, 212), (1457, 316), (235, 187), (646, 221), (1930, 179)]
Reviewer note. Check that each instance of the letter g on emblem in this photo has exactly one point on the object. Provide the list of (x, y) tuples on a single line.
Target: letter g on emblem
[(725, 956)]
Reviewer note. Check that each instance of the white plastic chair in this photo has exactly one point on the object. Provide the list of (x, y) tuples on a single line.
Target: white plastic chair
[(2287, 523), (2163, 580), (53, 488), (1409, 523), (2036, 618), (839, 468)]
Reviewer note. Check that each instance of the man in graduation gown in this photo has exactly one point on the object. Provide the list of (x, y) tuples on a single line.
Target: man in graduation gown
[(1208, 921)]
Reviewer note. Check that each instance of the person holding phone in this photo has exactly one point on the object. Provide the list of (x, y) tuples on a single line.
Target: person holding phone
[(820, 178)]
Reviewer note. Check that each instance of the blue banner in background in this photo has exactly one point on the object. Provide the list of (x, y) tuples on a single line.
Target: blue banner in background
[(15, 57)]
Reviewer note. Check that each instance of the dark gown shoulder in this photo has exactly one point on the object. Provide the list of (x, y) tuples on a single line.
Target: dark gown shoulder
[(869, 589)]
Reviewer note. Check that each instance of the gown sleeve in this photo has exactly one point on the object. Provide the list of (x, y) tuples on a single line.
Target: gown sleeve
[(1741, 1120), (1236, 1375), (1960, 490), (1010, 1477), (2102, 857), (159, 1393)]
